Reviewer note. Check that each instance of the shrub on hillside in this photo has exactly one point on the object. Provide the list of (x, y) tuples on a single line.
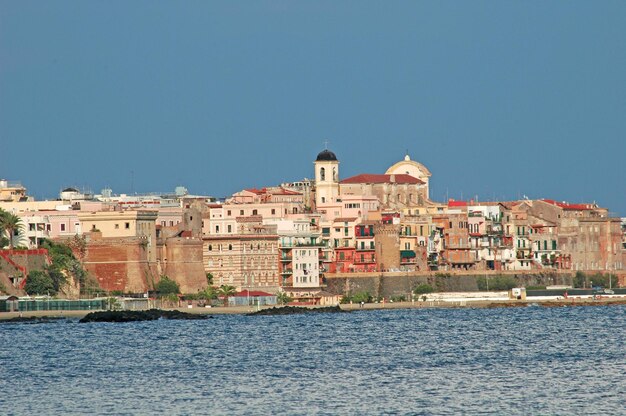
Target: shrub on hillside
[(423, 289)]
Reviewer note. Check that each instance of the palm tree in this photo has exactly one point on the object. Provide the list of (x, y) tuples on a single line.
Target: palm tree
[(226, 291), (283, 298), (9, 223)]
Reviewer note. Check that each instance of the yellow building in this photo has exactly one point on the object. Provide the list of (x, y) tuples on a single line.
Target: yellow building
[(12, 191)]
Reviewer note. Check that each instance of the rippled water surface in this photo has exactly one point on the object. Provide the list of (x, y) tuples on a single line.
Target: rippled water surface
[(420, 361)]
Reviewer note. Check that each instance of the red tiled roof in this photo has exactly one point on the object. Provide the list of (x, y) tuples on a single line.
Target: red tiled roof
[(376, 178), (453, 203), (256, 191), (565, 205), (286, 192), (344, 219), (244, 293)]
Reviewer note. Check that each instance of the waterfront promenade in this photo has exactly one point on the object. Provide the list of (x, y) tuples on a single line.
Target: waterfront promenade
[(437, 302)]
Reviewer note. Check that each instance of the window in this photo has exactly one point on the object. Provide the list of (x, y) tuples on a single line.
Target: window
[(228, 213), (163, 223), (323, 199), (217, 228), (273, 211), (255, 212), (31, 227), (63, 227), (230, 228), (322, 174), (127, 226), (117, 226), (241, 212), (210, 248), (230, 247)]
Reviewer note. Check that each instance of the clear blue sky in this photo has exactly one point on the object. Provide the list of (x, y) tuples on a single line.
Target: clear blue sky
[(497, 98)]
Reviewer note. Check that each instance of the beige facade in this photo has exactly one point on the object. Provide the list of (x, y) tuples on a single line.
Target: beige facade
[(413, 168), (392, 191), (12, 191), (244, 261)]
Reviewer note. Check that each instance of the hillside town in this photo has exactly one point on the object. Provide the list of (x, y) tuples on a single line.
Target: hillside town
[(293, 237)]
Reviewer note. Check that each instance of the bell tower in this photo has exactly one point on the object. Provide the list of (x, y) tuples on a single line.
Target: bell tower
[(326, 178)]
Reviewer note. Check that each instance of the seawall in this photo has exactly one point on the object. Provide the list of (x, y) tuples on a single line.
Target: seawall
[(390, 284)]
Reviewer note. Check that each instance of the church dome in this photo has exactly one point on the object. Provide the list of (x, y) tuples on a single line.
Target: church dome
[(326, 155)]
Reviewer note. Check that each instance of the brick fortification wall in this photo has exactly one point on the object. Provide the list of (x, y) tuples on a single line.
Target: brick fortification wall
[(183, 263), (121, 264)]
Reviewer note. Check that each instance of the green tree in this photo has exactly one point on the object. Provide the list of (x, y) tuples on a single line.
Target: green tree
[(579, 279), (9, 223), (39, 283), (167, 286), (362, 297), (226, 291), (209, 279), (498, 282), (423, 289), (209, 293), (65, 264), (283, 298)]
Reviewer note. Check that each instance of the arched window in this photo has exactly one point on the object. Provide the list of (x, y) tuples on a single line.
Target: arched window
[(210, 247), (335, 174), (322, 174), (230, 247)]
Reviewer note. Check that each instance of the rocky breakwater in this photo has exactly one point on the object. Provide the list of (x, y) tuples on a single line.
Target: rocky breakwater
[(130, 316), (295, 310)]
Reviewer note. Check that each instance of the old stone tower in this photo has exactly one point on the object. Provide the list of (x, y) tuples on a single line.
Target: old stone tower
[(387, 240)]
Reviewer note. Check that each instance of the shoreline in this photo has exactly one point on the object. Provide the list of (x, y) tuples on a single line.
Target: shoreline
[(428, 304)]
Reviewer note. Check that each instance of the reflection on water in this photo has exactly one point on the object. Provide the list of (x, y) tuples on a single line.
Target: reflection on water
[(420, 361)]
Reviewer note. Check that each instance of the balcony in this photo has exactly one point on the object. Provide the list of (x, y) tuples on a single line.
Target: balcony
[(286, 258), (287, 272)]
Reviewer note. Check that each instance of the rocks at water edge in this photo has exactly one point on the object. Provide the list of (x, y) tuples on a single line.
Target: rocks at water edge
[(294, 310), (130, 316), (32, 319)]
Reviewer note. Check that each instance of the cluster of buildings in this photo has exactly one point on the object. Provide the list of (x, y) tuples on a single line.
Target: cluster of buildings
[(292, 237)]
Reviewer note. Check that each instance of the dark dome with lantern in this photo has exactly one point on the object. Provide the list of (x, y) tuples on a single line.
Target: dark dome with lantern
[(326, 155)]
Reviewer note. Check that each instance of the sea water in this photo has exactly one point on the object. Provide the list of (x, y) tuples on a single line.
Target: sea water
[(534, 360)]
